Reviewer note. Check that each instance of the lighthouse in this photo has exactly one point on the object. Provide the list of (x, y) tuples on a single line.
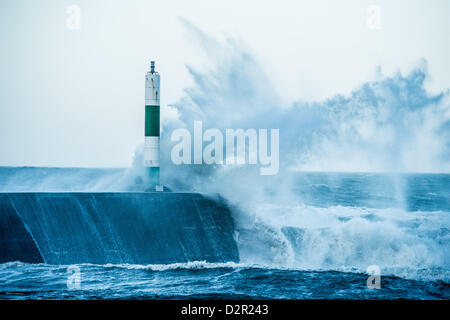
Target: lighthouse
[(152, 118)]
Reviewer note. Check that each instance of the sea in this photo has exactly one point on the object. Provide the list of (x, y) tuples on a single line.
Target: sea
[(348, 236)]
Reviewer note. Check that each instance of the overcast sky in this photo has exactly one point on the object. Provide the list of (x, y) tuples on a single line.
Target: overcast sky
[(75, 97)]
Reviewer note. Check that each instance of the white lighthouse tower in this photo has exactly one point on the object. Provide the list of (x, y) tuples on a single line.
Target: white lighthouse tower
[(152, 119)]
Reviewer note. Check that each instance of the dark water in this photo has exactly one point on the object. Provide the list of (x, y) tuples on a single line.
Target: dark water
[(413, 192), (319, 248), (205, 281)]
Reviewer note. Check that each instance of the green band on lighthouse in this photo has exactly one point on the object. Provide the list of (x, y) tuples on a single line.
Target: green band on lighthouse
[(152, 121)]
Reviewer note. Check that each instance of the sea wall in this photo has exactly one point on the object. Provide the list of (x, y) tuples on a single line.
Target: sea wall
[(119, 227)]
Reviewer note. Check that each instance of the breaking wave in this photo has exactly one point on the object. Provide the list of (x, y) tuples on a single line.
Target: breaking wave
[(390, 125)]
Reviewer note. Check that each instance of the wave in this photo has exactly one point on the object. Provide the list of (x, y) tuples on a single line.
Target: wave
[(393, 124), (348, 238), (12, 270)]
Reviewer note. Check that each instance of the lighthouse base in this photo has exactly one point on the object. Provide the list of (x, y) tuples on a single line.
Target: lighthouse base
[(152, 176)]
